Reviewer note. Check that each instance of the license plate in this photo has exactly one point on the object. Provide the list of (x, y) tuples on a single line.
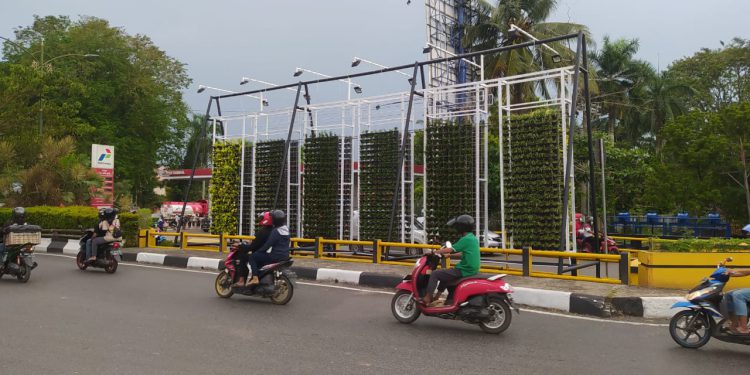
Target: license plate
[(116, 252)]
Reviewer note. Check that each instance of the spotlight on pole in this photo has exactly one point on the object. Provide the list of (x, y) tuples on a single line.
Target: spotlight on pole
[(298, 72), (201, 89), (427, 49), (556, 58), (411, 81), (357, 89), (244, 80), (356, 62), (265, 103), (377, 107)]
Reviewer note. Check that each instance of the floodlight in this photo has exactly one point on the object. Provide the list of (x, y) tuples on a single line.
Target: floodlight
[(556, 58), (265, 103), (201, 89), (512, 33), (411, 81), (298, 72), (377, 107), (357, 89), (356, 62), (427, 49), (244, 80)]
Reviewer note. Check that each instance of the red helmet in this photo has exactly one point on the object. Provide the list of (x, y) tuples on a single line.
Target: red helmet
[(265, 219)]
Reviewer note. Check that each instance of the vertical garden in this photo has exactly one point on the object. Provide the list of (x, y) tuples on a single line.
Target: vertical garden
[(534, 179), (224, 187), (268, 157), (322, 187), (379, 158), (450, 161)]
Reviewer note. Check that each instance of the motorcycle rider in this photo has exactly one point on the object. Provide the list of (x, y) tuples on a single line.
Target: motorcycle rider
[(18, 217), (466, 248), (103, 233), (275, 249), (738, 300), (243, 250)]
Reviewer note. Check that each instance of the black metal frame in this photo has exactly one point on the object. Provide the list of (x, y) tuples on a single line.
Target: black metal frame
[(581, 66)]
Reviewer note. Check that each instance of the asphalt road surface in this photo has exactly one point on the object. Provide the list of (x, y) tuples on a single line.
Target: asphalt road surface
[(151, 320)]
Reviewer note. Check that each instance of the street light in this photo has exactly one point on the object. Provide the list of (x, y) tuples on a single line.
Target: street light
[(357, 88), (358, 60), (515, 30), (262, 101)]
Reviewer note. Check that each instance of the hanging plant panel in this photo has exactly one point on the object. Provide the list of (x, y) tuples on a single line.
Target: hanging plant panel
[(534, 179), (323, 198), (378, 158), (224, 187), (268, 161), (450, 158)]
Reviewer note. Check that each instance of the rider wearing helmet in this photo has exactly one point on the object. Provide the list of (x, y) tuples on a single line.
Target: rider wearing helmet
[(106, 220), (18, 217), (466, 248), (243, 249), (275, 249)]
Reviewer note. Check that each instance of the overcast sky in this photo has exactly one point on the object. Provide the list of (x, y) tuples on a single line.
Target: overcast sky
[(223, 40)]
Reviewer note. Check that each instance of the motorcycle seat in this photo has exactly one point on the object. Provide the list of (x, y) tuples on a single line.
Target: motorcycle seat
[(267, 267)]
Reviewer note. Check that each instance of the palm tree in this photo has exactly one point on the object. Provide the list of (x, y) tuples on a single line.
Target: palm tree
[(663, 100), (617, 73), (492, 30)]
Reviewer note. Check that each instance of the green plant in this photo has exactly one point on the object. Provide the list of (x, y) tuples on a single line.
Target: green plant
[(450, 175), (323, 176), (224, 187), (75, 217), (378, 161), (268, 160), (534, 179)]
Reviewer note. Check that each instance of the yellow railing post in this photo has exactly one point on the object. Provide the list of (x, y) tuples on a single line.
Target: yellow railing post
[(150, 239), (319, 247), (183, 241)]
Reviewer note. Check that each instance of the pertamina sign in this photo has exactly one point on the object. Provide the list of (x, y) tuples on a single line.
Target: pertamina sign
[(102, 156), (103, 164)]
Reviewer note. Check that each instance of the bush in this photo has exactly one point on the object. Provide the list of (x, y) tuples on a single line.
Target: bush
[(225, 187), (699, 245), (74, 217)]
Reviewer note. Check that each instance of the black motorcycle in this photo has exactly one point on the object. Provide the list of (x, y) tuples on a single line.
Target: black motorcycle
[(18, 258), (276, 281), (107, 255), (703, 315)]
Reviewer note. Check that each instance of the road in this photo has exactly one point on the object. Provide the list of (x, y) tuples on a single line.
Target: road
[(152, 320)]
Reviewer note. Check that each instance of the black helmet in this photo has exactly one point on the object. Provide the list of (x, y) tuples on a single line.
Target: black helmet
[(19, 215), (462, 223), (101, 214), (109, 214), (278, 217)]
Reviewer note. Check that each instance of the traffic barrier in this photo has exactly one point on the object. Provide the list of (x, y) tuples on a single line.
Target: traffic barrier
[(685, 270), (526, 262)]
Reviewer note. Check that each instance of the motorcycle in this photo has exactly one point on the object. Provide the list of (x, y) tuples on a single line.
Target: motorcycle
[(585, 240), (107, 255), (480, 299), (276, 280), (703, 315), (18, 261)]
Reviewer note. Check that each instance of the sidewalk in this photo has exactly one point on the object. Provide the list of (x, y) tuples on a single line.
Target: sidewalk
[(581, 297)]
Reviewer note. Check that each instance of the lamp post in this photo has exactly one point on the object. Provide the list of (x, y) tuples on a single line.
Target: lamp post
[(350, 85), (261, 101), (41, 64), (556, 58), (358, 60)]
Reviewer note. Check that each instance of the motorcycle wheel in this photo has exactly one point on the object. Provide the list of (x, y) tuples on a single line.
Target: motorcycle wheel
[(501, 316), (284, 291), (681, 333), (404, 308), (81, 261), (223, 285), (111, 267), (25, 274)]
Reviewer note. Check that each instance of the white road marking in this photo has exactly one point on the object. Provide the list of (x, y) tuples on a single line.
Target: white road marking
[(561, 315)]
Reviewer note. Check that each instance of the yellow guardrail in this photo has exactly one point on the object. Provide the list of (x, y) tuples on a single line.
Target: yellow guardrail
[(379, 252)]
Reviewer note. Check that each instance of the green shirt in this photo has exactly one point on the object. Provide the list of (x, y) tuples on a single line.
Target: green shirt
[(468, 246)]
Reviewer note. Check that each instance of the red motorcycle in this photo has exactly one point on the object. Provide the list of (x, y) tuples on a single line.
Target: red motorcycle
[(481, 299), (276, 280), (585, 238)]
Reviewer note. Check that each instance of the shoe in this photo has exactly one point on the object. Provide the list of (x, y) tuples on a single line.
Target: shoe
[(253, 281), (437, 303)]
